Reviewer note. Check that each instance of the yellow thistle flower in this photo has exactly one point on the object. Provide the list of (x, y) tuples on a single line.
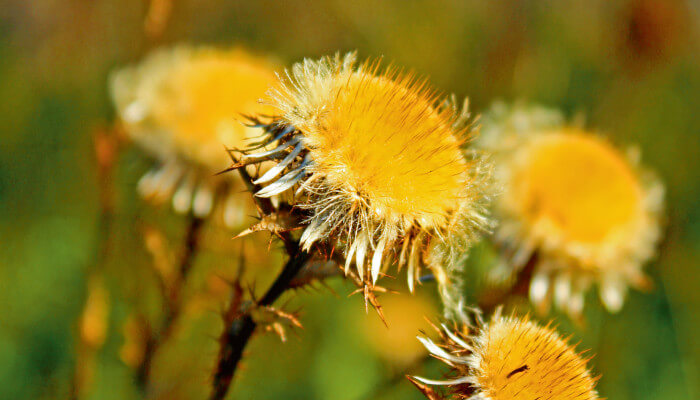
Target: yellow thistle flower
[(571, 204), (183, 105), (377, 161), (510, 358)]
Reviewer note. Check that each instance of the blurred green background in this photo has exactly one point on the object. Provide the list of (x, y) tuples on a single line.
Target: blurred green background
[(631, 68)]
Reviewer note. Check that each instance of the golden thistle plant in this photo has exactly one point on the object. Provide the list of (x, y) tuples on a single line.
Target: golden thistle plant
[(571, 206), (370, 164), (378, 165), (360, 168)]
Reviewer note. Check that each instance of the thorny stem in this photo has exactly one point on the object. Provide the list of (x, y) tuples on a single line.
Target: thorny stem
[(240, 329), (173, 300), (238, 332), (263, 203)]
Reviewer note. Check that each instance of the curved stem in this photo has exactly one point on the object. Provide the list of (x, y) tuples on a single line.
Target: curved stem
[(173, 300)]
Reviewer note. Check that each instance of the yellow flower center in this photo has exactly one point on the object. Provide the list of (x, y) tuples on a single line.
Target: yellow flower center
[(577, 184), (384, 140), (202, 100), (522, 361)]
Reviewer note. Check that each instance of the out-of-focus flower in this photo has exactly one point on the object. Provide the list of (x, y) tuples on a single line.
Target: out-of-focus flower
[(378, 165), (510, 358), (183, 106), (572, 206), (396, 342)]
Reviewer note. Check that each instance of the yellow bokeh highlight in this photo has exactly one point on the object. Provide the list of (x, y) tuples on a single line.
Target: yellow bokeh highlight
[(406, 316), (94, 320)]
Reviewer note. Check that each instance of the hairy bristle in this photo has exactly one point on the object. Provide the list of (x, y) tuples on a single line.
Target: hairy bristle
[(379, 137)]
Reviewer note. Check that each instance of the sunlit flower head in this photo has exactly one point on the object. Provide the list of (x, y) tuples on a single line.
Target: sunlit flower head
[(377, 162), (183, 106), (510, 358), (572, 207)]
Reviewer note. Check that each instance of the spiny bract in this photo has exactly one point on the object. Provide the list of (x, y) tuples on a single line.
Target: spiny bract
[(573, 203), (183, 105), (379, 164), (511, 358)]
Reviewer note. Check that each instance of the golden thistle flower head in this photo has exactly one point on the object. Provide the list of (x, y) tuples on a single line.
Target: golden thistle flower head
[(510, 358), (183, 106), (572, 205), (377, 162)]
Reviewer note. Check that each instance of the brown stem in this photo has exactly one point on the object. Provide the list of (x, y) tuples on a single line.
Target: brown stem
[(173, 301), (238, 332), (240, 325), (520, 287), (106, 148)]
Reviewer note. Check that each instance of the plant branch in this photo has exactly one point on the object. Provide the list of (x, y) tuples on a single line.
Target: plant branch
[(238, 332), (239, 324), (173, 300)]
